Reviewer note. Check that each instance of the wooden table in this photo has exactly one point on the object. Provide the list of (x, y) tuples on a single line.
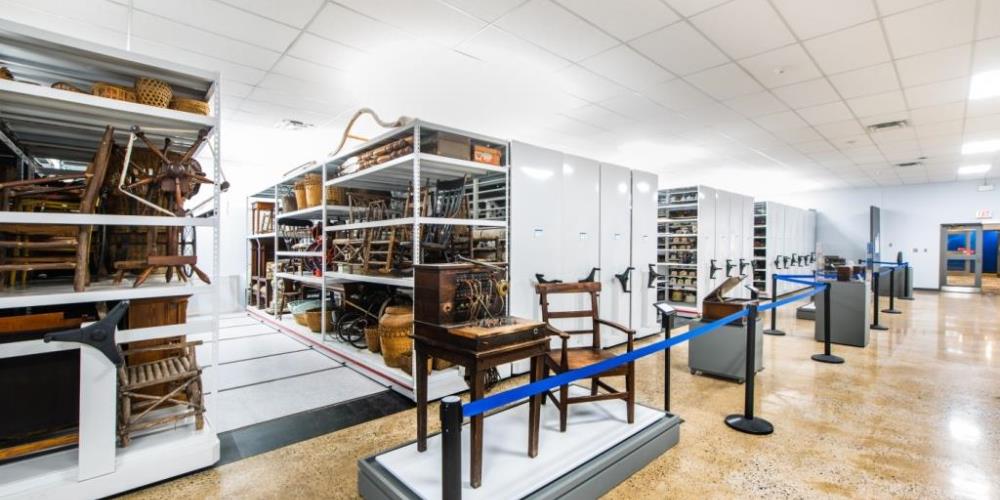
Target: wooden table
[(478, 349)]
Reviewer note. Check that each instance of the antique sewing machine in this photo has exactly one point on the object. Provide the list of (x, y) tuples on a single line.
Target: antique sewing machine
[(460, 316), (716, 305)]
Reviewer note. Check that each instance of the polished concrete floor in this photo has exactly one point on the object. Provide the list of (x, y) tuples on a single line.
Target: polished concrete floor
[(916, 414)]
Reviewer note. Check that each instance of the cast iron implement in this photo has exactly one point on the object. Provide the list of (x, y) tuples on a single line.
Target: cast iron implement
[(99, 335), (623, 278), (653, 276)]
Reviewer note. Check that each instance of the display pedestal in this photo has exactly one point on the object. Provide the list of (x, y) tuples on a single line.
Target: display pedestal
[(904, 284), (722, 353), (598, 451), (806, 312), (850, 314)]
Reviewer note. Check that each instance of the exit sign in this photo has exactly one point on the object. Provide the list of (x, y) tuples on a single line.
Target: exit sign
[(984, 213)]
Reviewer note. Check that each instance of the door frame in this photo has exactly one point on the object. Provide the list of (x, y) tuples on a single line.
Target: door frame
[(976, 259)]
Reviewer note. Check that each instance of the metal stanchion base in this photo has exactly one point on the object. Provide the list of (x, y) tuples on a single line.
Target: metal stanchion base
[(827, 358), (756, 425), (776, 333), (878, 327), (892, 311), (906, 298)]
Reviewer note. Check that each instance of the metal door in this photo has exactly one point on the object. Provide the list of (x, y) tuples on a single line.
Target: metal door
[(961, 253)]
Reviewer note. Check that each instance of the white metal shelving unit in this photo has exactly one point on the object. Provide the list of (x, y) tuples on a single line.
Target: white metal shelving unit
[(417, 169), (761, 270), (51, 123), (678, 217)]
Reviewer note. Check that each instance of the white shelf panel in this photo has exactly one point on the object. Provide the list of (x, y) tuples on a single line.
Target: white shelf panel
[(260, 236), (302, 278), (398, 173), (404, 221), (404, 281), (315, 213), (299, 254), (41, 293), (102, 219), (676, 264)]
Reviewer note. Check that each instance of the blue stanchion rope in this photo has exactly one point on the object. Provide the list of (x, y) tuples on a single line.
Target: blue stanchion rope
[(793, 298)]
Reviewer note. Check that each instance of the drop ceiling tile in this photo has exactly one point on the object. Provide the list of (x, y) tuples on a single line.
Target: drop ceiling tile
[(805, 94), (296, 13), (350, 28), (988, 22), (761, 103), (949, 128), (826, 113), (487, 10), (556, 29), (798, 135), (849, 49), (571, 127), (322, 51), (845, 128), (230, 71), (677, 95), (711, 114), (680, 49), (634, 106), (819, 146), (937, 93), (977, 124), (724, 82), (887, 102), (310, 72), (224, 20), (162, 30), (624, 19), (931, 27), (866, 81), (811, 18), (940, 113), (498, 46), (584, 84), (781, 121), (599, 117), (935, 66), (781, 67), (865, 155), (426, 19), (831, 158), (883, 118), (982, 107), (625, 66), (987, 56), (743, 28), (689, 8), (904, 138), (954, 141), (851, 142)]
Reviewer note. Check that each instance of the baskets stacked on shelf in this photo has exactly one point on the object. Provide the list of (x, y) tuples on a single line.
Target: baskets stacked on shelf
[(153, 92), (112, 91), (69, 87), (188, 105)]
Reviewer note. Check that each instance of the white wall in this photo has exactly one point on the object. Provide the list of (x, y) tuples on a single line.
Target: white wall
[(911, 220)]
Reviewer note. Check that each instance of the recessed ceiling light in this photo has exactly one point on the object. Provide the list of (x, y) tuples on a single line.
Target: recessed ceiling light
[(985, 85), (977, 147), (974, 169)]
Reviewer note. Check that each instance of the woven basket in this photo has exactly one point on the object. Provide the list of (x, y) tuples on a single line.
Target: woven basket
[(314, 189), (440, 364), (371, 338), (300, 318), (394, 330), (5, 74), (67, 87), (112, 91), (153, 92), (336, 196), (189, 105), (300, 195), (313, 320), (407, 364)]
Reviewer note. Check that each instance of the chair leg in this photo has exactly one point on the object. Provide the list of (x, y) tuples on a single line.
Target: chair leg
[(593, 386), (143, 276), (126, 414), (545, 375), (563, 406), (630, 389), (195, 398)]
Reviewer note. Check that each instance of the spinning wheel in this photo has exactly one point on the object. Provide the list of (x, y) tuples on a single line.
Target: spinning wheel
[(178, 178)]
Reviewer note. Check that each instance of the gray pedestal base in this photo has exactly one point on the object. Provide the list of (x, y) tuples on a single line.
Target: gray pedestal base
[(592, 479), (807, 311), (902, 291), (722, 353), (850, 314)]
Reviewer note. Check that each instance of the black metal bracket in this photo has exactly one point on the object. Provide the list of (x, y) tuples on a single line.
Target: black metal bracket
[(795, 260), (743, 264), (590, 277), (712, 268), (541, 279), (623, 278), (99, 335), (784, 260), (777, 262), (729, 266), (653, 276)]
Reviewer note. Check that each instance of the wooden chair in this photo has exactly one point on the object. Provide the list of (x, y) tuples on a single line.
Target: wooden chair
[(567, 358), (54, 238), (180, 372)]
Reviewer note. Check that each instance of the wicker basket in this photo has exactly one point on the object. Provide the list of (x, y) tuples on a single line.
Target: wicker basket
[(314, 189), (112, 91), (153, 92), (407, 364), (440, 364), (313, 320), (5, 74), (394, 330), (300, 195), (189, 105), (300, 318), (288, 203), (67, 87), (336, 196), (371, 338)]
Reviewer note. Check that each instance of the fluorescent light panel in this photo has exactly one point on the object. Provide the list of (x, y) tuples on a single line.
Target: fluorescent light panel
[(985, 85), (978, 147), (974, 169)]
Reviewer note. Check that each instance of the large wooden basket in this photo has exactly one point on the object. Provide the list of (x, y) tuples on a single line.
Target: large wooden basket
[(112, 91), (189, 105), (395, 330)]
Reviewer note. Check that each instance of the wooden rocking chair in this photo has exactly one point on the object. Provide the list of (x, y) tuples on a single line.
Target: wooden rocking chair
[(566, 358)]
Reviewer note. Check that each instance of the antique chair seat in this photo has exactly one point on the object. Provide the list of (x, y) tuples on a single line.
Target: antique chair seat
[(580, 357), (158, 372)]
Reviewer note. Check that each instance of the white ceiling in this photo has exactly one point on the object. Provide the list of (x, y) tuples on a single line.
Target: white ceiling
[(760, 96)]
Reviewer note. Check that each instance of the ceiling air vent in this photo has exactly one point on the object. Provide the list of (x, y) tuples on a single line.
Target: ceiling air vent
[(908, 164), (893, 125)]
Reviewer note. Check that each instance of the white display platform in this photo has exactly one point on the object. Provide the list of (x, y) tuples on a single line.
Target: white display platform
[(508, 472)]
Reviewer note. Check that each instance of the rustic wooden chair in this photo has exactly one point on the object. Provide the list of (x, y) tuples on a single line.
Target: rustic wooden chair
[(179, 371), (84, 191), (567, 358)]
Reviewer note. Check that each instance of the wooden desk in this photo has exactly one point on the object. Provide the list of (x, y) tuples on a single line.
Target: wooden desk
[(478, 349)]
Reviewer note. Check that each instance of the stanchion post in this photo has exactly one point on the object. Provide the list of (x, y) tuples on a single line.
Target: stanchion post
[(827, 356), (906, 282), (875, 302), (774, 312), (892, 293), (747, 422), (668, 325), (451, 448)]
